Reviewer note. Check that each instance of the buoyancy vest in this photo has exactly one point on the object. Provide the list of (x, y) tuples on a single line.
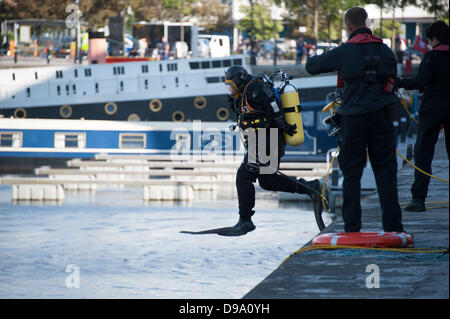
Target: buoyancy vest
[(371, 59)]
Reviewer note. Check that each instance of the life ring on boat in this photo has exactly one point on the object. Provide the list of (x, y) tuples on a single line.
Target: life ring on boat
[(65, 111), (382, 239), (20, 113), (155, 105), (133, 117), (200, 102), (178, 116), (111, 108), (222, 114)]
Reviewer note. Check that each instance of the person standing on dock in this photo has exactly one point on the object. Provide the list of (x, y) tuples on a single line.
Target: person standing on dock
[(433, 80), (366, 71), (258, 109)]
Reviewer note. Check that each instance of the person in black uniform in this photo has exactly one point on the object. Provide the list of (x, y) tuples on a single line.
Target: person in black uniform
[(366, 70), (433, 80), (256, 106)]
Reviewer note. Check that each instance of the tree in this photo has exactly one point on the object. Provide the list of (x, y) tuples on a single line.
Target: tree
[(213, 15), (259, 23), (389, 29), (319, 14)]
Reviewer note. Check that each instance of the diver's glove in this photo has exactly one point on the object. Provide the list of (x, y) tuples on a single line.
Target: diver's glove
[(285, 126)]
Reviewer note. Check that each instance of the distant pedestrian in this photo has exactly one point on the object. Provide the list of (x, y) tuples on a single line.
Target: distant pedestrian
[(300, 50), (433, 80), (400, 47), (142, 47), (165, 48)]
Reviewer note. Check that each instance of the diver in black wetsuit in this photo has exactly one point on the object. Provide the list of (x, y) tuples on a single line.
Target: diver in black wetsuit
[(255, 103)]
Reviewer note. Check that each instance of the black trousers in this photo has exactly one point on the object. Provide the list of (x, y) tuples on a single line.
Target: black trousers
[(427, 136), (248, 173), (372, 133)]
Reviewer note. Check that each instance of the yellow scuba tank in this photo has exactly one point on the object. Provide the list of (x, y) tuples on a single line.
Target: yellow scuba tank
[(291, 108)]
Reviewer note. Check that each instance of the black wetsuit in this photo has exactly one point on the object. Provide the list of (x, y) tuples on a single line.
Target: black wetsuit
[(258, 109)]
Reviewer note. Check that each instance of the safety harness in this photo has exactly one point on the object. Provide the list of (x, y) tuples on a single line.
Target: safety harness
[(372, 58)]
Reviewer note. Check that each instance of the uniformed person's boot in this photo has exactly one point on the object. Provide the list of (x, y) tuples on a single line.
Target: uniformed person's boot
[(416, 205)]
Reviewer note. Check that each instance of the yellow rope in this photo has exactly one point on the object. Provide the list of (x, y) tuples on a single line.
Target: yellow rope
[(405, 106), (423, 172)]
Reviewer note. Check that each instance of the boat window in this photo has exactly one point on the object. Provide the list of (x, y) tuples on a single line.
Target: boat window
[(160, 67), (118, 70), (213, 79), (205, 65), (146, 84), (226, 63), (237, 61), (87, 72), (58, 89), (144, 68), (74, 89), (308, 118), (35, 75), (96, 87), (67, 89), (75, 72), (28, 92), (172, 67), (59, 74), (194, 65), (132, 140), (216, 64), (10, 139), (121, 85), (14, 76), (70, 140), (320, 125)]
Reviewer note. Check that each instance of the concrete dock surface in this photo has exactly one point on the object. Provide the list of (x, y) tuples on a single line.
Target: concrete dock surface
[(363, 273)]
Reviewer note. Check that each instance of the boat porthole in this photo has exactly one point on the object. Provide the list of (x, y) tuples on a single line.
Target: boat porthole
[(222, 114), (200, 102), (110, 108), (134, 117), (65, 111), (155, 105), (20, 113), (178, 116)]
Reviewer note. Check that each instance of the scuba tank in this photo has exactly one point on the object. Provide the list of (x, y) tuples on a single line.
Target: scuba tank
[(291, 107)]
